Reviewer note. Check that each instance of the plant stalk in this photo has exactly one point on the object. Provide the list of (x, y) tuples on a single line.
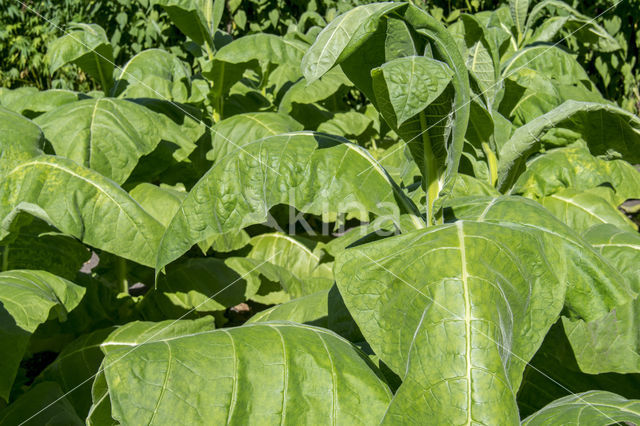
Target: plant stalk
[(492, 162), (121, 271), (430, 185)]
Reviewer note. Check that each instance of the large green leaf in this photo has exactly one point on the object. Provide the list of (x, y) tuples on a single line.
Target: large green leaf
[(582, 210), (232, 133), (607, 130), (592, 408), (406, 86), (519, 9), (348, 28), (153, 73), (88, 47), (20, 140), (110, 135), (32, 102), (456, 310), (161, 203), (306, 374), (28, 299), (313, 172), (304, 92), (68, 196)]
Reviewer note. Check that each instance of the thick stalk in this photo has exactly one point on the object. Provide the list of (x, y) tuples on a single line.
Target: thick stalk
[(121, 271), (430, 185)]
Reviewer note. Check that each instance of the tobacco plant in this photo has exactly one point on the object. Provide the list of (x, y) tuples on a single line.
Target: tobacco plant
[(426, 224)]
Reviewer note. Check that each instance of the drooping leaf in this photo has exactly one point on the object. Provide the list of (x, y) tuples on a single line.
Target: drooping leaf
[(110, 135), (232, 133), (304, 92), (31, 102), (44, 403), (67, 195), (313, 172), (28, 299), (161, 203), (153, 73), (88, 47), (606, 129), (592, 408), (20, 140), (287, 357)]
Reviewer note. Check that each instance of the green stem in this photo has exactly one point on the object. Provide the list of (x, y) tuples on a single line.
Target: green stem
[(5, 258), (121, 270), (430, 184), (492, 161)]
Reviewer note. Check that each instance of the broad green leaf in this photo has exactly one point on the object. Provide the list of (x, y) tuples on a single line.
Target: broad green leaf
[(575, 168), (264, 48), (232, 133), (423, 300), (110, 135), (593, 408), (607, 130), (32, 102), (153, 73), (315, 173), (75, 366), (582, 210), (43, 404), (411, 84), (608, 344), (350, 124), (159, 380), (347, 29), (161, 203), (620, 247), (28, 299), (20, 140), (197, 19), (519, 9), (596, 286), (88, 47), (67, 195)]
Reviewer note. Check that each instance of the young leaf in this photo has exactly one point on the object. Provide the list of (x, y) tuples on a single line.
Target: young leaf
[(519, 9), (88, 47), (312, 172)]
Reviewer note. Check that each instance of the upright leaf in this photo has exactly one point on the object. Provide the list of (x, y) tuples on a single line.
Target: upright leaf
[(519, 9), (88, 47)]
